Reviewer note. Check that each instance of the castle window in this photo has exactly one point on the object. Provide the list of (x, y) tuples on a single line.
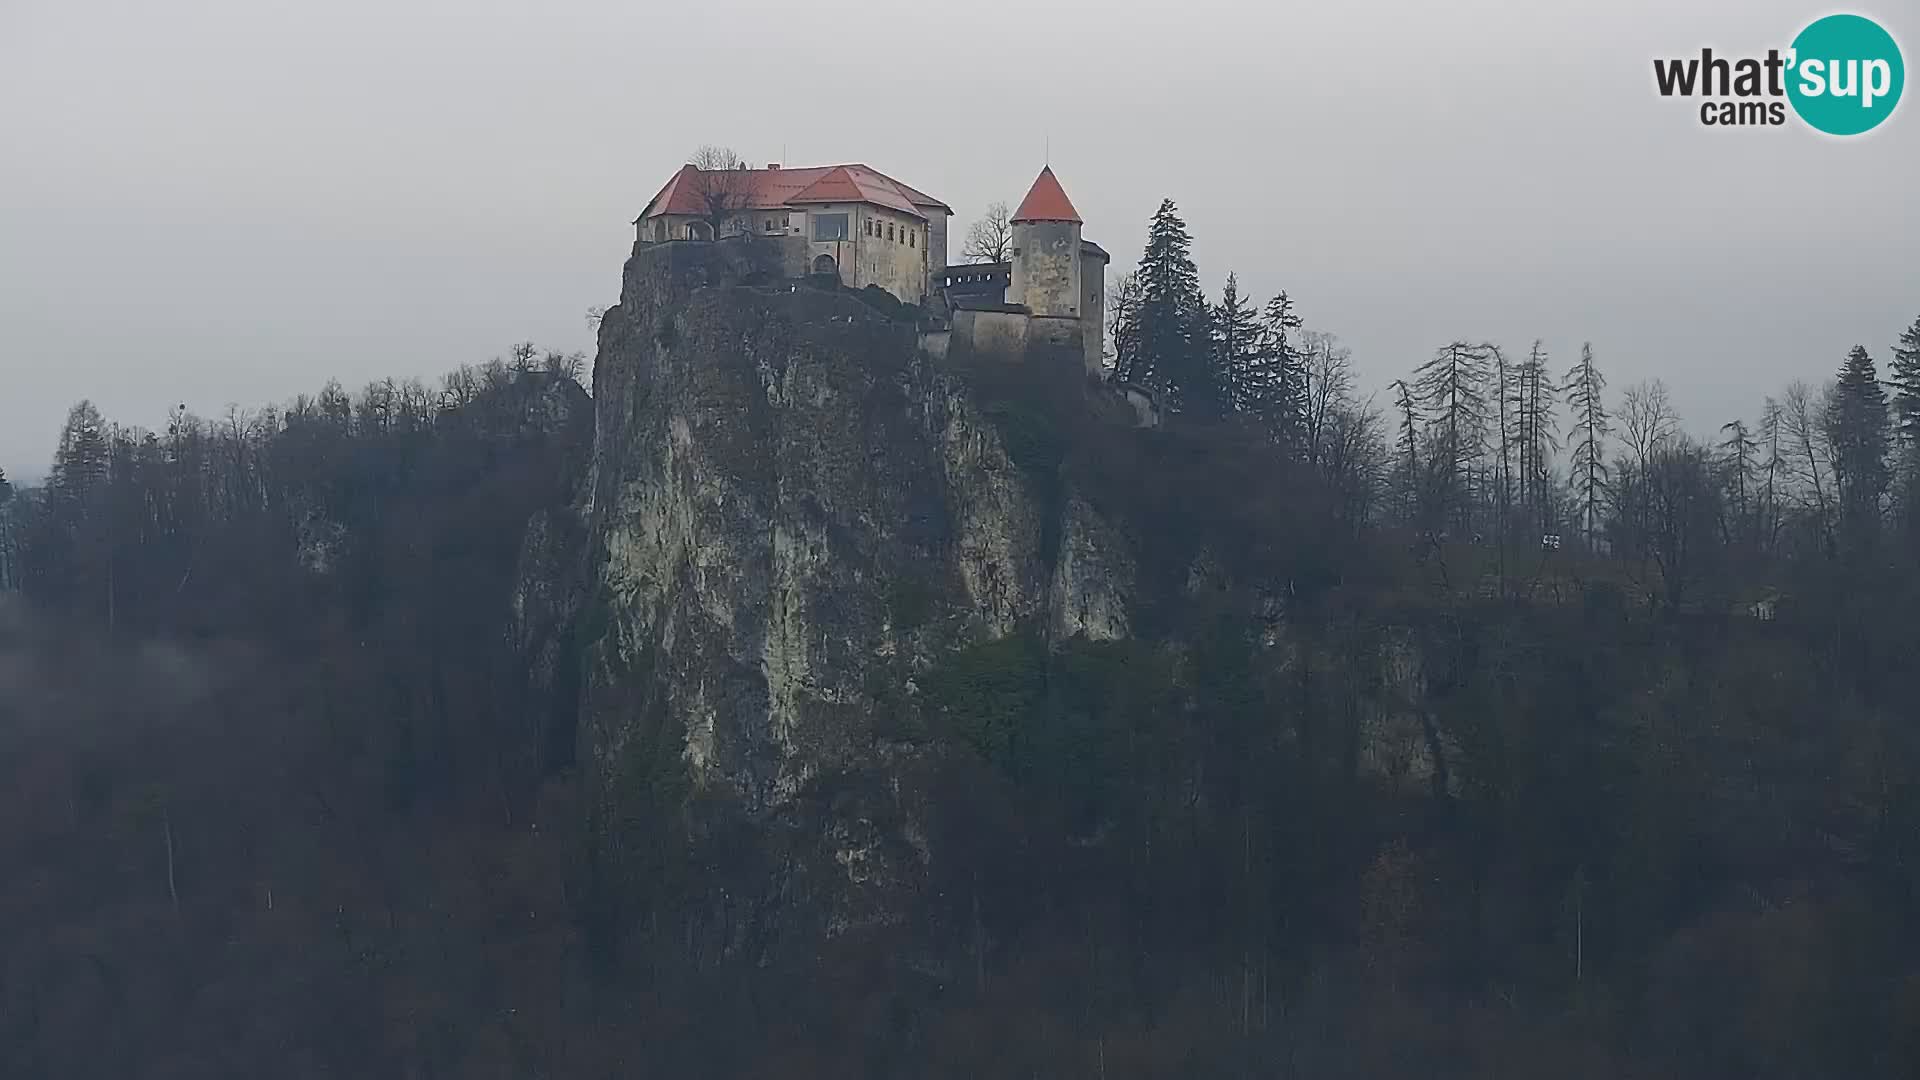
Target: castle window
[(910, 237), (829, 226), (889, 230), (868, 222)]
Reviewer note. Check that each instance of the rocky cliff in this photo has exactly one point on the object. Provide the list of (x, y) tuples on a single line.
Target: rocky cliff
[(793, 513)]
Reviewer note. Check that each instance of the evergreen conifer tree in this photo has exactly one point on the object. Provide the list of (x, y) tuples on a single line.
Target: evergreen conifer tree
[(1240, 368), (1407, 445), (1739, 470), (1283, 398), (1533, 409), (1905, 377), (1453, 388), (1856, 424), (1172, 315), (1586, 389)]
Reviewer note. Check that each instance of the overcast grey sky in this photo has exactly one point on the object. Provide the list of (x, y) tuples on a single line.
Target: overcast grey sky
[(214, 201)]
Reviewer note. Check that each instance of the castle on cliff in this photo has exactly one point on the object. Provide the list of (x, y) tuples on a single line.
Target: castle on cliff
[(863, 227)]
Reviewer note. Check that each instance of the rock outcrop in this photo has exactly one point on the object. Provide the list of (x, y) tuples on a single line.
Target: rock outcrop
[(793, 512)]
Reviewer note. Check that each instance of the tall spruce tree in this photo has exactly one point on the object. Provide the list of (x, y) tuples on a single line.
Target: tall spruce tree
[(1171, 317), (1586, 389), (81, 460), (1237, 346), (1283, 381), (1856, 423), (1904, 374)]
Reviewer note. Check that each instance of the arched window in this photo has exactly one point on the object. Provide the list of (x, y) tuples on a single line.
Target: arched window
[(824, 264)]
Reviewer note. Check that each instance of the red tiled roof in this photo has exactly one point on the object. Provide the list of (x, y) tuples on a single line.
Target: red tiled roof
[(1046, 201), (770, 189), (921, 198), (856, 183)]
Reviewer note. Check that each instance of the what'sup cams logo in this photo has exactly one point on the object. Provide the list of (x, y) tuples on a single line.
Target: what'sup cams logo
[(1842, 75)]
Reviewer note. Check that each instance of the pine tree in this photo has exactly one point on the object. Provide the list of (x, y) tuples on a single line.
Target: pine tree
[(81, 460), (1905, 377), (1772, 469), (1586, 388), (9, 559), (1171, 317), (1739, 471), (1408, 464), (1452, 387), (1284, 380), (1237, 347), (1535, 437), (1507, 441), (1856, 423)]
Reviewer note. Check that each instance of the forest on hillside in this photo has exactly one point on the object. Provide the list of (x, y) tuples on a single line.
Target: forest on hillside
[(280, 798)]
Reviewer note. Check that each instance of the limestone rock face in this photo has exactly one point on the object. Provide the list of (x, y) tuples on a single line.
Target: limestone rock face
[(792, 510), (1401, 744), (1093, 578)]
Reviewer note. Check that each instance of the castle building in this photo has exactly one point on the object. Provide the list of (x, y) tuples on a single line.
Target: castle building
[(857, 222), (1056, 278), (866, 228)]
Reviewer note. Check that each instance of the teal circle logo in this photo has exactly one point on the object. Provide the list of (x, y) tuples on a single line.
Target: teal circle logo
[(1845, 75)]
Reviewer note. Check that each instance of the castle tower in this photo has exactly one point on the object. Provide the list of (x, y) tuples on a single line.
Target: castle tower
[(1046, 251)]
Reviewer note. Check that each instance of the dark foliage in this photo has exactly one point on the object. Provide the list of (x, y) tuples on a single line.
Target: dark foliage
[(1357, 799)]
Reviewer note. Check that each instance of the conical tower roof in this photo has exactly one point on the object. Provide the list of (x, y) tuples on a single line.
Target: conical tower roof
[(1047, 201)]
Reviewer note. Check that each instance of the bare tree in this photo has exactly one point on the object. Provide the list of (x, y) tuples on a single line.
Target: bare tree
[(723, 184), (1809, 458), (1123, 328), (1647, 420), (990, 240), (1353, 457), (1684, 510), (1329, 384), (459, 388), (1647, 425), (565, 365)]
